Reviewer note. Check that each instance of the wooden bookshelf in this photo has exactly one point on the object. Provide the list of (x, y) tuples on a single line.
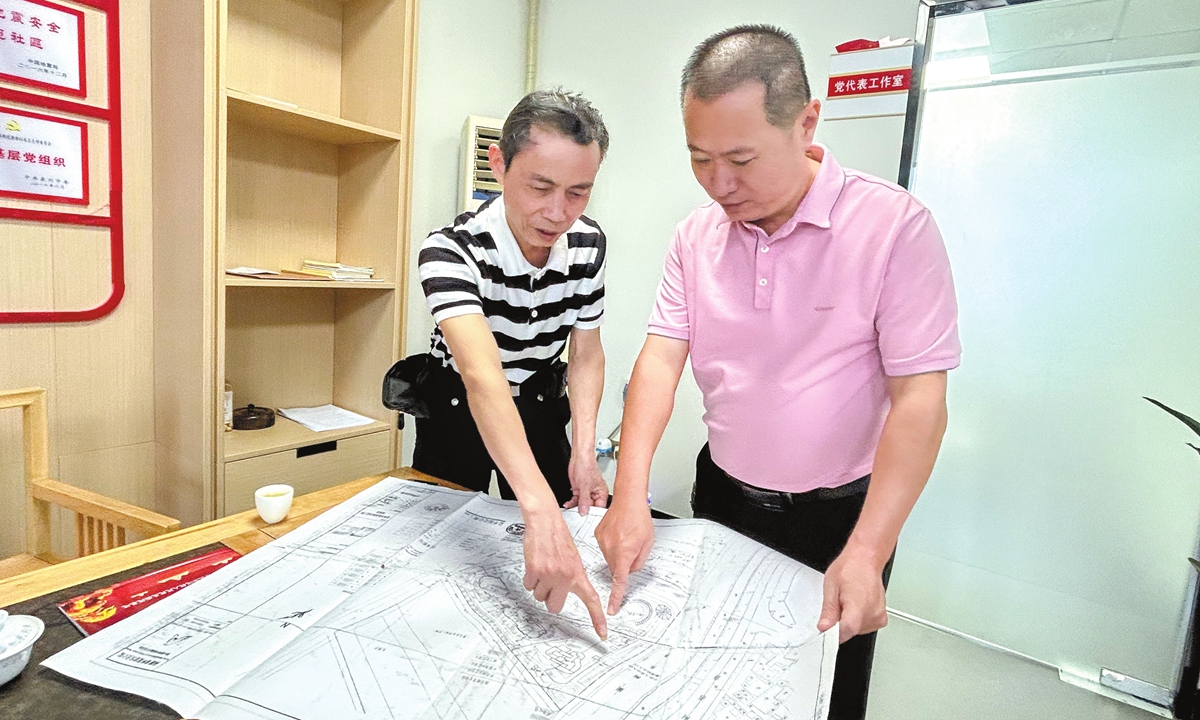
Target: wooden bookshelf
[(287, 126), (290, 198), (294, 120)]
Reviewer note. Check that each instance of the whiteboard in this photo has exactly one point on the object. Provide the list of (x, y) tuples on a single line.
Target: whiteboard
[(1063, 507)]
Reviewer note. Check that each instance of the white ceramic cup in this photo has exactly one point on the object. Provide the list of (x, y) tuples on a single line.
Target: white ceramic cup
[(273, 502)]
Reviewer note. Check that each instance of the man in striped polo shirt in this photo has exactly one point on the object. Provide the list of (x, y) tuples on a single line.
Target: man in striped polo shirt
[(508, 285)]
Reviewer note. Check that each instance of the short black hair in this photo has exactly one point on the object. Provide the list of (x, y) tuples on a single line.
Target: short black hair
[(559, 110), (765, 53)]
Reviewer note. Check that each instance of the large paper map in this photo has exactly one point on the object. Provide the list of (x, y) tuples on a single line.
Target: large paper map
[(406, 602)]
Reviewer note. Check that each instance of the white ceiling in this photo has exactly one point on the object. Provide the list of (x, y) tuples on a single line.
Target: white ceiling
[(1067, 22), (1157, 17), (1059, 33)]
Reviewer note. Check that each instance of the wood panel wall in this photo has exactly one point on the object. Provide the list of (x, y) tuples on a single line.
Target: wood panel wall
[(100, 375)]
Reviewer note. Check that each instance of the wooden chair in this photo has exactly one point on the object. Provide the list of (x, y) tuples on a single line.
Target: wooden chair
[(101, 523)]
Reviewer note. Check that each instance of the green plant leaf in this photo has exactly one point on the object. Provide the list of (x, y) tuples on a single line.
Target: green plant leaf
[(1195, 426), (1197, 449), (1195, 563)]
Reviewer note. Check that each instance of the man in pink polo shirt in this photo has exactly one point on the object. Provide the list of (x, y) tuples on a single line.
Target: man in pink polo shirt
[(818, 309)]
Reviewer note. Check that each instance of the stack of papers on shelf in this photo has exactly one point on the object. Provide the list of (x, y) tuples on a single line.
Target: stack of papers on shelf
[(338, 271), (325, 417), (261, 274)]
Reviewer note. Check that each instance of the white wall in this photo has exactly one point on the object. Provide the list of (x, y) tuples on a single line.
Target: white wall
[(456, 77), (1063, 506), (626, 57)]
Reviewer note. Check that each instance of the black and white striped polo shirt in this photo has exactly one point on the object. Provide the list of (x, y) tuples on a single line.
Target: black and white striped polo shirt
[(476, 266)]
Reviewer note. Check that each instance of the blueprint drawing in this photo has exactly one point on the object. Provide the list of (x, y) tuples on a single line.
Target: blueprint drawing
[(406, 602)]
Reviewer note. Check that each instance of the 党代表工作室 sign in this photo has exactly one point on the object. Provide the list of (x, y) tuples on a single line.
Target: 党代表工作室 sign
[(42, 45), (871, 82), (43, 157)]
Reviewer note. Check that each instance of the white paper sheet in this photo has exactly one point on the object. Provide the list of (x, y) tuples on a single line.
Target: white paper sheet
[(407, 602), (249, 271), (325, 417)]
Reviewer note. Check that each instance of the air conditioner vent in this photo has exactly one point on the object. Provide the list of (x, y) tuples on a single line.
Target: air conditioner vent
[(478, 182)]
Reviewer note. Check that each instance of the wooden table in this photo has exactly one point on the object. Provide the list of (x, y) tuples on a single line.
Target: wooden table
[(242, 532)]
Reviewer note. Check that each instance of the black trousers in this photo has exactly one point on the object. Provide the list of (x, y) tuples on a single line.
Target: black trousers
[(813, 532), (449, 445)]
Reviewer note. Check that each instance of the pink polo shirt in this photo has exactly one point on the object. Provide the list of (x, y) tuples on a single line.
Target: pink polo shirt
[(792, 337)]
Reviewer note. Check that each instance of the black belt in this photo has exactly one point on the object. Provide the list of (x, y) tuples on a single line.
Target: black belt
[(776, 500)]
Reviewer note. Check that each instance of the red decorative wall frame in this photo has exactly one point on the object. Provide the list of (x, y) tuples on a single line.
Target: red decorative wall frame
[(114, 221)]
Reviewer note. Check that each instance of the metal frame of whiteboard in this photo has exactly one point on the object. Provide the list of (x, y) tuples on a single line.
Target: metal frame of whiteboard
[(1183, 698), (930, 10)]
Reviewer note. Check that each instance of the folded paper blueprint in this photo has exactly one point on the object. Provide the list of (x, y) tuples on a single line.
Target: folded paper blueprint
[(407, 602)]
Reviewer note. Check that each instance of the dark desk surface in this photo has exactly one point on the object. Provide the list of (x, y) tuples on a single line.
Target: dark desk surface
[(42, 694)]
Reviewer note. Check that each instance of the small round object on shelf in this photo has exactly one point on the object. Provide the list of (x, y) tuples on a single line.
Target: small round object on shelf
[(253, 417)]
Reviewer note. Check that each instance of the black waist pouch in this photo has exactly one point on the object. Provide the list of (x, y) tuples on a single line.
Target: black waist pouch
[(550, 381), (412, 383), (402, 385)]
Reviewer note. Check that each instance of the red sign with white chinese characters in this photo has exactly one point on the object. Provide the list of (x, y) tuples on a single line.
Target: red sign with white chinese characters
[(875, 82), (42, 45)]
